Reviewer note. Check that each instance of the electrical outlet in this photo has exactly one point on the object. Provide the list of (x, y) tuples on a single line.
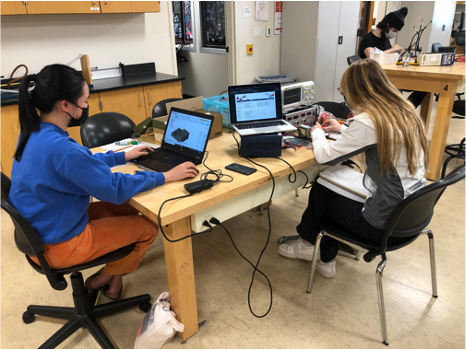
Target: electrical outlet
[(268, 31)]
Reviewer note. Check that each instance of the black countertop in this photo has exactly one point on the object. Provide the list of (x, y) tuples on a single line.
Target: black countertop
[(118, 83)]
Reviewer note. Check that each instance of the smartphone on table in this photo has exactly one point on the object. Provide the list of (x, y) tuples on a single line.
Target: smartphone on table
[(242, 169)]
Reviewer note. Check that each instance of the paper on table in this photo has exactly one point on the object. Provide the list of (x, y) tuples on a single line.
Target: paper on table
[(113, 147)]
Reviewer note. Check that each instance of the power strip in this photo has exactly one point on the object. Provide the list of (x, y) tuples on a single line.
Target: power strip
[(306, 116)]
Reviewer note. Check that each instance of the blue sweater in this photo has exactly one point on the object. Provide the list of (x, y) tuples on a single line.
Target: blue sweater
[(52, 184)]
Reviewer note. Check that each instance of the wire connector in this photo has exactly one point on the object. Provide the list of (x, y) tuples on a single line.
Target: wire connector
[(206, 223), (214, 221)]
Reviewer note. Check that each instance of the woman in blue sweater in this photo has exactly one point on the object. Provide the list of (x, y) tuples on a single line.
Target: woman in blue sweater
[(53, 178)]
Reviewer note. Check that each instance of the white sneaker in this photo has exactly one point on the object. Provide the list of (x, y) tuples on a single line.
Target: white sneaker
[(326, 270), (297, 250)]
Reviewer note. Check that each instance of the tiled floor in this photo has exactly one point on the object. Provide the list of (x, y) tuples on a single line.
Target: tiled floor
[(340, 313)]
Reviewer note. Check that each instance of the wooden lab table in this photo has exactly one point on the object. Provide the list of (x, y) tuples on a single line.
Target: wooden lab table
[(432, 79), (224, 201)]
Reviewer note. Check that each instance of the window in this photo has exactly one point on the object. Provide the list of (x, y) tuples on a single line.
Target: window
[(183, 22), (213, 24)]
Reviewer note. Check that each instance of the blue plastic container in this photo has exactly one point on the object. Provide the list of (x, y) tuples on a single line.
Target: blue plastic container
[(218, 104)]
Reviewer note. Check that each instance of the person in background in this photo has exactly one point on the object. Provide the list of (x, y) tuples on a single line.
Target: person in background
[(53, 178), (380, 38), (392, 139)]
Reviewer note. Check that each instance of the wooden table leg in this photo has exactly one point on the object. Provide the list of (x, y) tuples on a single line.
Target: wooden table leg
[(180, 273), (426, 109), (440, 131)]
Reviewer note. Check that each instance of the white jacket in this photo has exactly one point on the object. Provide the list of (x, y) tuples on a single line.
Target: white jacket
[(358, 135)]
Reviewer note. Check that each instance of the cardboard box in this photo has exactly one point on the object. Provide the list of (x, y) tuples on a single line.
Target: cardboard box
[(436, 59), (192, 104)]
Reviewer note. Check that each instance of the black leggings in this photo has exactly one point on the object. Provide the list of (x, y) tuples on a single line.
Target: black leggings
[(348, 213)]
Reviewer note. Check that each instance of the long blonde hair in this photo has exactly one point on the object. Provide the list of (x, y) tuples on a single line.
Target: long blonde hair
[(367, 89)]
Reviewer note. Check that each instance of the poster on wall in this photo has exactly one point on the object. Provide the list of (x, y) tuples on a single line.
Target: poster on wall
[(277, 20), (262, 11)]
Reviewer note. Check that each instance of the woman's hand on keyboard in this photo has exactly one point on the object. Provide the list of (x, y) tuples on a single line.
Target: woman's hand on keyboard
[(180, 172), (136, 152)]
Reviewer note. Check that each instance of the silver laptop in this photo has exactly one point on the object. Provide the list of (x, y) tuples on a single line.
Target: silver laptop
[(257, 109)]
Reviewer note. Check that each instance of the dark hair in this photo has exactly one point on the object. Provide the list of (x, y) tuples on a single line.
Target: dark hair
[(54, 83), (382, 25)]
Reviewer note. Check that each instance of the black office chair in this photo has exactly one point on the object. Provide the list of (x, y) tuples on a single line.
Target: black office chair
[(160, 109), (339, 110), (460, 38), (84, 313), (407, 222), (352, 59), (104, 128)]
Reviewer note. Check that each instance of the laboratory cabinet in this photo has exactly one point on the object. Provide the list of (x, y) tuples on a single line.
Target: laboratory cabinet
[(317, 38), (135, 102), (77, 7)]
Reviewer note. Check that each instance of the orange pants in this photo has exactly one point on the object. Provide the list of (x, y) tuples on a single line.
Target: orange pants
[(110, 227)]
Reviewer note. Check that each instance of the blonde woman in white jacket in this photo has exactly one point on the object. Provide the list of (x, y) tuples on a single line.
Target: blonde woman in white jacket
[(391, 137)]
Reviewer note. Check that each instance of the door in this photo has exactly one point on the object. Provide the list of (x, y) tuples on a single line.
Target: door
[(347, 34), (159, 92), (129, 102), (13, 8), (130, 6), (61, 7), (326, 50)]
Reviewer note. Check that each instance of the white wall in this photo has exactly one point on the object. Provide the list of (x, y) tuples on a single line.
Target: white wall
[(266, 57), (417, 11), (38, 40), (440, 12), (206, 73), (444, 12)]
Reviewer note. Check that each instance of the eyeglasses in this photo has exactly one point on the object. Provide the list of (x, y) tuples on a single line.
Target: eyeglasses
[(340, 92)]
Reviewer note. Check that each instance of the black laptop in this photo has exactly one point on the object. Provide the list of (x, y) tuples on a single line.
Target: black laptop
[(185, 140)]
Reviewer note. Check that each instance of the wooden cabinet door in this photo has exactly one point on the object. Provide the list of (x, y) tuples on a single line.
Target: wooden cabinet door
[(10, 132), (129, 6), (159, 92), (62, 7), (94, 108), (13, 8), (129, 102)]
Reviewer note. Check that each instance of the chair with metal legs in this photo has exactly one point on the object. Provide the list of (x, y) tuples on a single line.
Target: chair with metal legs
[(405, 224), (84, 313)]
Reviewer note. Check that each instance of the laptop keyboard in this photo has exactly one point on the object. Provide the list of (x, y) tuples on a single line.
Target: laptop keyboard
[(259, 125), (168, 156)]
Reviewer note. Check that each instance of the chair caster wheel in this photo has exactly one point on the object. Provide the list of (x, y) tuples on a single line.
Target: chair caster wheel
[(28, 318), (145, 307)]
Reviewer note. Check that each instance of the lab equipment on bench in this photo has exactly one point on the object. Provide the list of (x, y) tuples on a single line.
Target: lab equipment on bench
[(297, 95)]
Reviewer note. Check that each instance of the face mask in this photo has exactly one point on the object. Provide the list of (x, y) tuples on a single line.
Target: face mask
[(391, 34), (80, 121)]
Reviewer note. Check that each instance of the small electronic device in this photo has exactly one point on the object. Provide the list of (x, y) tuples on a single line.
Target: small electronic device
[(198, 186), (296, 95), (240, 169), (305, 130), (305, 116), (268, 145), (256, 109)]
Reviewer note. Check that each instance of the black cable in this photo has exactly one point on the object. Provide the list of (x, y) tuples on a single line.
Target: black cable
[(268, 236), (217, 222), (295, 176), (218, 174)]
